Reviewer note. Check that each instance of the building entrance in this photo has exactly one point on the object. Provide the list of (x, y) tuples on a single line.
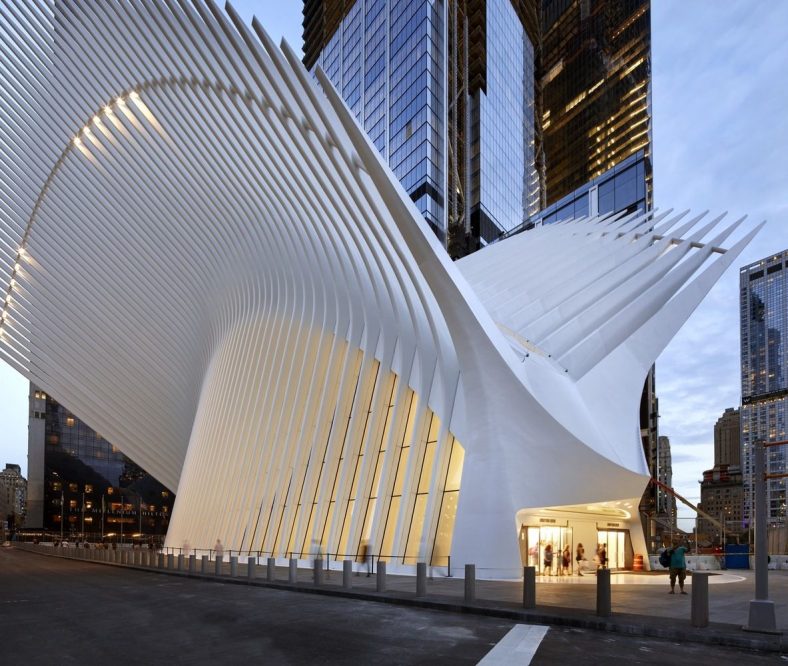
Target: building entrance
[(543, 547), (618, 546)]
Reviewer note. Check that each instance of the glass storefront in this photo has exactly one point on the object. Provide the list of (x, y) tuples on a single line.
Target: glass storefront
[(618, 546), (543, 547)]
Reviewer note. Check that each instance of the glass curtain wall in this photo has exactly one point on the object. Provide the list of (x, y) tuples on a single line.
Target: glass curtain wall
[(386, 59), (764, 325), (504, 184)]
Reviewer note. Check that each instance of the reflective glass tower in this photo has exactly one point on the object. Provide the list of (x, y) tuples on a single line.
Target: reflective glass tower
[(596, 95), (447, 93), (764, 375)]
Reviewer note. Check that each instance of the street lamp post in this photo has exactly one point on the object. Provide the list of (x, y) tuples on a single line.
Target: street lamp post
[(762, 617), (62, 513)]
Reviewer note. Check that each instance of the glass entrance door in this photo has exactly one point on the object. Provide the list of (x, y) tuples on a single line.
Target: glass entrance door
[(618, 548), (542, 547)]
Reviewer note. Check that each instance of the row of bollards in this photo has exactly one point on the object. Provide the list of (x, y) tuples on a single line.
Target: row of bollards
[(146, 558)]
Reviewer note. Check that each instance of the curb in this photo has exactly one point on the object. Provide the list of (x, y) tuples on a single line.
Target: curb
[(722, 634)]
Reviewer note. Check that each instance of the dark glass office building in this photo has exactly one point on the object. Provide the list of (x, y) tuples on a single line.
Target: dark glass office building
[(763, 303), (595, 76), (83, 486)]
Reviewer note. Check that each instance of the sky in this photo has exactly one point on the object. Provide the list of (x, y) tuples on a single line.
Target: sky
[(720, 133)]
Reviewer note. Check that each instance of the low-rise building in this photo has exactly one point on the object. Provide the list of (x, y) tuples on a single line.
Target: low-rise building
[(722, 490), (13, 493)]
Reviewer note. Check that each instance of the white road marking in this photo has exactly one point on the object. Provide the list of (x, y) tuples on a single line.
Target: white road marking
[(518, 646)]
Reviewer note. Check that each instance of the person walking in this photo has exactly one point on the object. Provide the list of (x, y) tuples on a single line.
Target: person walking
[(548, 559), (678, 568), (603, 556), (566, 560), (219, 549), (579, 557)]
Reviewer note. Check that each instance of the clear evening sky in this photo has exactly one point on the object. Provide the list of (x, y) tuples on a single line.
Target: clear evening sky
[(720, 133)]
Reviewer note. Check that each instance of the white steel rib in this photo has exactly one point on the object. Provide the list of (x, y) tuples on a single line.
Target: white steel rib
[(204, 257)]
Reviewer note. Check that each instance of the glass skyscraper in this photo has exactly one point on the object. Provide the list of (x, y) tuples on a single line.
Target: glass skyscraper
[(447, 93), (596, 90), (763, 309)]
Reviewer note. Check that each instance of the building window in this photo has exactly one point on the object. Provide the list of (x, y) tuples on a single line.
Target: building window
[(88, 488), (73, 487), (70, 421)]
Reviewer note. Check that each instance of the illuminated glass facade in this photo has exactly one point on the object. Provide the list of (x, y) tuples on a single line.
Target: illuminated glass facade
[(764, 375), (446, 92), (596, 89), (90, 487)]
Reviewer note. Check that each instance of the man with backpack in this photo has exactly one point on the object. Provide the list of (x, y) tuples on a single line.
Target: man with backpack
[(678, 568)]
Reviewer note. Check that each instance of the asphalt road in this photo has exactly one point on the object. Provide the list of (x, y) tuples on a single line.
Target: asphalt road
[(63, 611)]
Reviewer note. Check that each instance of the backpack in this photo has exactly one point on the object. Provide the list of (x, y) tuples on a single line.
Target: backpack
[(664, 557)]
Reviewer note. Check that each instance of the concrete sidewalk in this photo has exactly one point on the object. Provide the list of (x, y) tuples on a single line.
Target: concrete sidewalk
[(641, 607)]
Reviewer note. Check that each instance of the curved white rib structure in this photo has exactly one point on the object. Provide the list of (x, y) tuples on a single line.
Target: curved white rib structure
[(204, 257)]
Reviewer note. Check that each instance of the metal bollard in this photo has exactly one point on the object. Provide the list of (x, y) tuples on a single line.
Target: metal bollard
[(319, 571), (161, 560), (529, 587), (421, 579), (251, 563), (192, 564), (270, 569), (347, 574), (217, 564), (292, 572), (204, 565), (180, 561), (700, 599), (603, 606), (171, 561), (233, 566), (470, 582), (381, 587)]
